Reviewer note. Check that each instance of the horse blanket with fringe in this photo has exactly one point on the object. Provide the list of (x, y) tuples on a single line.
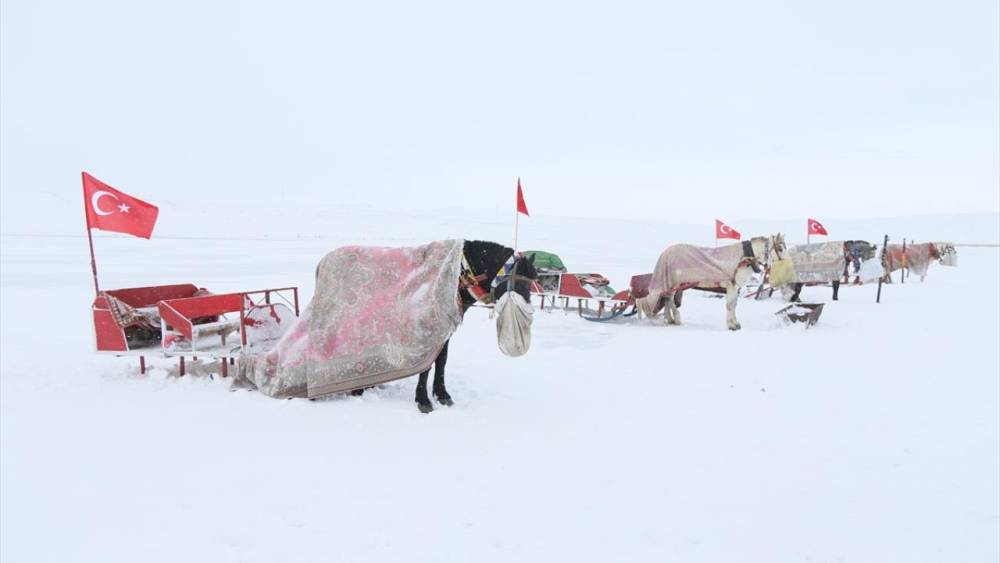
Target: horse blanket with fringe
[(683, 265), (821, 262), (917, 257), (378, 314)]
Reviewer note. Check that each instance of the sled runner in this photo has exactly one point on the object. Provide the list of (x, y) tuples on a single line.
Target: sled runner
[(558, 287)]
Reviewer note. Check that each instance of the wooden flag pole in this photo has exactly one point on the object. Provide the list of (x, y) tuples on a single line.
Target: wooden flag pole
[(885, 245), (517, 218), (90, 240)]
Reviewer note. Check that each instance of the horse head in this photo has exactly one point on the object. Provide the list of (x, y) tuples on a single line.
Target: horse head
[(485, 262), (764, 250), (861, 250), (946, 253), (524, 273)]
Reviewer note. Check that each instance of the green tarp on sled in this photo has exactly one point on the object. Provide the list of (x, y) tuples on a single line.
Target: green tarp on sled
[(546, 260)]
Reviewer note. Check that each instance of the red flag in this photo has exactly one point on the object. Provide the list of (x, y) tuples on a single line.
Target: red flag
[(723, 230), (814, 227), (111, 210), (521, 206)]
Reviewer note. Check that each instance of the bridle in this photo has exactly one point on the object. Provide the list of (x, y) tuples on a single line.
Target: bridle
[(470, 281), (749, 259)]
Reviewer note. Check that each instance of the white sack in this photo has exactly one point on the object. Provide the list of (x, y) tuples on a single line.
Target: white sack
[(871, 270), (514, 316)]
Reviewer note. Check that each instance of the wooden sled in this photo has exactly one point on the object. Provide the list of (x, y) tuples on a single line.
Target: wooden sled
[(807, 313)]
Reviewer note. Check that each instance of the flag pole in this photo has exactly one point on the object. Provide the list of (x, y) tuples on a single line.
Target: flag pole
[(517, 217), (90, 238)]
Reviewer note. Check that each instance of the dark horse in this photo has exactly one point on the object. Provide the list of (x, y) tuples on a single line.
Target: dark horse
[(483, 262), (855, 252)]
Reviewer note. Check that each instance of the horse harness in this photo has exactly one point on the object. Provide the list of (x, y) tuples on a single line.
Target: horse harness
[(471, 282), (749, 259)]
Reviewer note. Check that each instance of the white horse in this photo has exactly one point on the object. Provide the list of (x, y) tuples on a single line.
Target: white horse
[(723, 269)]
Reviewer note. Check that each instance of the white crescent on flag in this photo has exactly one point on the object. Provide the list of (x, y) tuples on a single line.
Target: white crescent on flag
[(726, 229), (814, 227), (95, 200)]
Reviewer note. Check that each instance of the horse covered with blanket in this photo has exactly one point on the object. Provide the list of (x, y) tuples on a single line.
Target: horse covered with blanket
[(827, 263), (381, 314), (917, 258), (727, 268)]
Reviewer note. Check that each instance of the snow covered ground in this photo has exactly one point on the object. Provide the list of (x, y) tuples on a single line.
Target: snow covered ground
[(874, 436)]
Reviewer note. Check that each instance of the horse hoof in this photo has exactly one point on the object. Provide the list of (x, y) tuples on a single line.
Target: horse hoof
[(735, 327), (446, 401), (425, 407)]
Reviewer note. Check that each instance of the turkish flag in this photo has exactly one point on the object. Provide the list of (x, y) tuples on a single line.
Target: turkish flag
[(814, 227), (521, 206), (111, 210), (723, 230)]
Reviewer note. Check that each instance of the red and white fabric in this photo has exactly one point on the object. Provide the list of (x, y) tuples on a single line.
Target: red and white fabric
[(814, 227), (111, 210), (378, 314)]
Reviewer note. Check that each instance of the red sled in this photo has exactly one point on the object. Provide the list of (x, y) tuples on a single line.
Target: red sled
[(185, 320)]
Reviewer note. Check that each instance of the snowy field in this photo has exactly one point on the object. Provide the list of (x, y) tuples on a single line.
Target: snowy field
[(871, 437)]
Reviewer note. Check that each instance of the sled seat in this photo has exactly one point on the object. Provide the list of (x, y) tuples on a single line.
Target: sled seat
[(180, 316), (221, 328)]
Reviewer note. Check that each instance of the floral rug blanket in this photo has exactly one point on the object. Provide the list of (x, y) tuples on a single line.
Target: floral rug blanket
[(817, 263), (378, 314)]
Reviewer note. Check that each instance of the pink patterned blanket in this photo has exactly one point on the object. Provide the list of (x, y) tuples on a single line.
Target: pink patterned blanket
[(684, 265), (378, 314)]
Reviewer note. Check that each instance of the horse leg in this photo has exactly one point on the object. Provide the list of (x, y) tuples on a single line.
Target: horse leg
[(440, 393), (423, 403), (795, 294), (732, 294), (672, 312), (836, 289)]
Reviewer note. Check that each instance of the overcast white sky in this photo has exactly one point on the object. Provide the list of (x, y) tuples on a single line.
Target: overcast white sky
[(673, 110)]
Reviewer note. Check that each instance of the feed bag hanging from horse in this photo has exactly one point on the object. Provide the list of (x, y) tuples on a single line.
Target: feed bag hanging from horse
[(379, 314)]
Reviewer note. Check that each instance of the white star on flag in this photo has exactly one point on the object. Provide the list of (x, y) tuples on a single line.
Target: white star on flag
[(123, 208)]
